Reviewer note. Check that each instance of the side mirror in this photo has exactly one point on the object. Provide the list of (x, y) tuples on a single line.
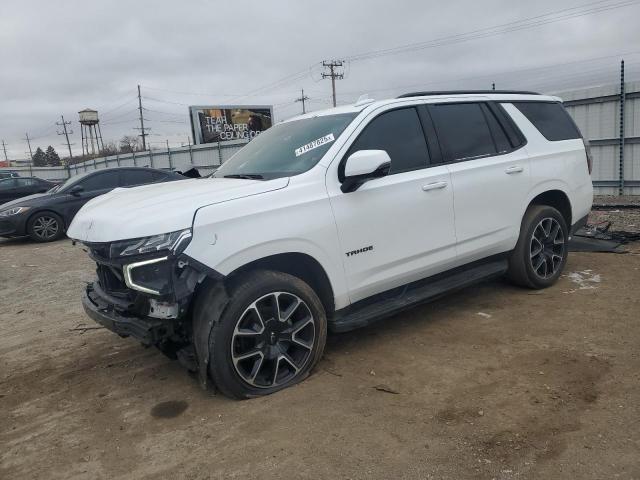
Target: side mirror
[(364, 165), (76, 190)]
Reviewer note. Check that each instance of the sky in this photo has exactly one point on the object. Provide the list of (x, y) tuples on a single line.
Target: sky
[(58, 58)]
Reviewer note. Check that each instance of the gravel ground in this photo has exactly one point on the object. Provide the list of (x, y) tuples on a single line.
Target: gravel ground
[(624, 219), (491, 382)]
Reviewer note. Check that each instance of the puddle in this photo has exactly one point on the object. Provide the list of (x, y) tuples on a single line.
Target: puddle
[(169, 409)]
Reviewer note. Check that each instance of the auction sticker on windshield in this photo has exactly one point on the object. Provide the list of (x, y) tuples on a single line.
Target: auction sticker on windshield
[(315, 144)]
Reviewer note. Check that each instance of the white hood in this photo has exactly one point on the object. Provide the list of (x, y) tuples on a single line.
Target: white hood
[(136, 212)]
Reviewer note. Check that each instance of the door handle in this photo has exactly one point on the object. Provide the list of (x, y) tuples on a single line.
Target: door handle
[(514, 169), (434, 186)]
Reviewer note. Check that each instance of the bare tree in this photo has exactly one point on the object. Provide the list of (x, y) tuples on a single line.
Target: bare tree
[(110, 148), (129, 144)]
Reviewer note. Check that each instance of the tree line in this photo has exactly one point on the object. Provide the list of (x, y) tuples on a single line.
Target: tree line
[(50, 158)]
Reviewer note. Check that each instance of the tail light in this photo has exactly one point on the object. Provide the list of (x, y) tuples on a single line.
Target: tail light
[(587, 149)]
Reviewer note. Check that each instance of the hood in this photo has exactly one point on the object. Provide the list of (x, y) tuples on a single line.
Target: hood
[(28, 201), (159, 208)]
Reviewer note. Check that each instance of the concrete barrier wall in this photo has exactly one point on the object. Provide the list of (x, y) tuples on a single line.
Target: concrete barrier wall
[(206, 158)]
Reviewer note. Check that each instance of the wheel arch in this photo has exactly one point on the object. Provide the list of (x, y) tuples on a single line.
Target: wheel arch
[(557, 199), (300, 265)]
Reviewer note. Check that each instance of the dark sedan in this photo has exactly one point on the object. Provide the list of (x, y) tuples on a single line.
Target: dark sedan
[(45, 216), (16, 187)]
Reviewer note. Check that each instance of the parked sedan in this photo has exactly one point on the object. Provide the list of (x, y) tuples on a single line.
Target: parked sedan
[(16, 187), (45, 216)]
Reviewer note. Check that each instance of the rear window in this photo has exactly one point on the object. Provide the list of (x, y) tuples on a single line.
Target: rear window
[(551, 120)]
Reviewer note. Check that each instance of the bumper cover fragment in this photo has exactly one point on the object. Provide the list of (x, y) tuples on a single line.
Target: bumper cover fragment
[(149, 331)]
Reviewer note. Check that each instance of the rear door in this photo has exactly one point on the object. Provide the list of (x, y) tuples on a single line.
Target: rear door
[(490, 174)]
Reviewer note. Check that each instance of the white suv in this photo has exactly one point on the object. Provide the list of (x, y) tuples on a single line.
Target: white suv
[(332, 220)]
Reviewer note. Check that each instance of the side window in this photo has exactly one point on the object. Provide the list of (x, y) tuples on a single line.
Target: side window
[(551, 120), (399, 132), (23, 182), (131, 178), (8, 183), (498, 133), (100, 181), (462, 130)]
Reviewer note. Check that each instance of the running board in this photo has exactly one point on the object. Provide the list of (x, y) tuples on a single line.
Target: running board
[(368, 311)]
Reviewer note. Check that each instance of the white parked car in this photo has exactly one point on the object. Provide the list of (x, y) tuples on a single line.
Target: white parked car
[(333, 220)]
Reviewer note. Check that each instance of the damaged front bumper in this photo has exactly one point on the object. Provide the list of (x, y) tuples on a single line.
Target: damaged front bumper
[(147, 297), (103, 309)]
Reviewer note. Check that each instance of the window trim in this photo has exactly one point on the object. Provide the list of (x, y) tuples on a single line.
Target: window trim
[(416, 108), (430, 106)]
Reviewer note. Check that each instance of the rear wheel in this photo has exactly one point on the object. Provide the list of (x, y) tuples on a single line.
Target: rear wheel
[(541, 252), (269, 337), (45, 227)]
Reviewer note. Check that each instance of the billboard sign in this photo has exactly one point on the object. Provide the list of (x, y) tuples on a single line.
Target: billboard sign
[(224, 123)]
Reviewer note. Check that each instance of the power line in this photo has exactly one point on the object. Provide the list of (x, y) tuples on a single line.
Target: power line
[(66, 133), (525, 23), (333, 75), (302, 99)]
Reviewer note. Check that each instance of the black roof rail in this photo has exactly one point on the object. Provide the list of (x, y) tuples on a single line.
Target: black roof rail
[(466, 92)]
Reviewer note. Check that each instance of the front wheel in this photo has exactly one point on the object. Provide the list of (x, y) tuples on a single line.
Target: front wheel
[(45, 227), (269, 336), (541, 252)]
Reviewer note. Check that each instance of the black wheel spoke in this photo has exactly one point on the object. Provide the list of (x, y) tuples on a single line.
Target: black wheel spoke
[(547, 247), (272, 340)]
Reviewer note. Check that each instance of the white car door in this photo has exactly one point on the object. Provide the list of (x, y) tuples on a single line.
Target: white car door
[(399, 228), (490, 176)]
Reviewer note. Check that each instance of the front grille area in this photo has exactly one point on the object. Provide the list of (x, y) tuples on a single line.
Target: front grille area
[(111, 279)]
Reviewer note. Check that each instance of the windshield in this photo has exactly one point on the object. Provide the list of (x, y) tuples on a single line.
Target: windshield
[(286, 149)]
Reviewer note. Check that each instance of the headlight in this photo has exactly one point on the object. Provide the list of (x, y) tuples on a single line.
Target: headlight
[(13, 211), (174, 242)]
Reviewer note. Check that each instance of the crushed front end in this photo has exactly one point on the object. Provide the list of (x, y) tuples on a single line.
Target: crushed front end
[(144, 289)]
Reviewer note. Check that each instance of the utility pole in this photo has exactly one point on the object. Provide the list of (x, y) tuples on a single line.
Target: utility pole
[(29, 143), (332, 65), (66, 133), (302, 99), (142, 132), (4, 147), (621, 140)]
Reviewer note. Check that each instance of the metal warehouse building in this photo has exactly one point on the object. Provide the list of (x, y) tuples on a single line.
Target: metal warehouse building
[(597, 111)]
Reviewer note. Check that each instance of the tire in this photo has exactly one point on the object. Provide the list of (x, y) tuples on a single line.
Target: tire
[(542, 249), (252, 350), (45, 227)]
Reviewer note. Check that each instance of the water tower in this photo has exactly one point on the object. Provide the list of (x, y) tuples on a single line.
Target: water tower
[(90, 131)]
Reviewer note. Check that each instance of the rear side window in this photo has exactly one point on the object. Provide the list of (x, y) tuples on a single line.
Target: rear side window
[(463, 131), (400, 134), (137, 177), (551, 120), (100, 181)]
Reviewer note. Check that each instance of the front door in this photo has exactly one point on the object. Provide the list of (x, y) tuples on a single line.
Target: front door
[(399, 228)]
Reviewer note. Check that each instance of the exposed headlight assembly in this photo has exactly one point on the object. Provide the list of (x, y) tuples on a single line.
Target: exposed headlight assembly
[(174, 242), (13, 211)]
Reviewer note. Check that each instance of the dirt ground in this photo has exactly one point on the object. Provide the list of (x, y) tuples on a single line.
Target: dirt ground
[(492, 382)]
